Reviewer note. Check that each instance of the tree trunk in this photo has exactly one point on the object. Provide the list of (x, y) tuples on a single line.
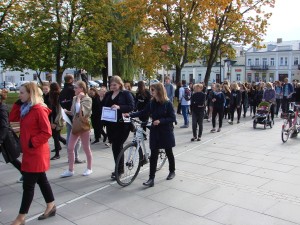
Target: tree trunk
[(178, 74)]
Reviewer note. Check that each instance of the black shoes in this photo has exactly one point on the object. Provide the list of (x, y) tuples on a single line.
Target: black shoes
[(51, 213), (113, 175), (79, 161), (96, 141), (149, 183), (55, 157), (171, 176)]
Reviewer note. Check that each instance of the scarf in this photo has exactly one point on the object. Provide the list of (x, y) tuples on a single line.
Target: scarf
[(25, 108)]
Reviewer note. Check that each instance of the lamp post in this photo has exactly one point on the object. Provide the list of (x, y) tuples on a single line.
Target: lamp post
[(109, 62)]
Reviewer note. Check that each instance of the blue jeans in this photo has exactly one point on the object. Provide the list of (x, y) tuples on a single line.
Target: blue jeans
[(78, 144), (184, 109)]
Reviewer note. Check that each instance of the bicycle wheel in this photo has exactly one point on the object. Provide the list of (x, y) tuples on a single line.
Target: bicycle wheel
[(286, 130), (162, 157), (128, 164)]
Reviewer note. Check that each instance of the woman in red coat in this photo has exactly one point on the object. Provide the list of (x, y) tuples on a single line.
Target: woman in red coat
[(35, 130)]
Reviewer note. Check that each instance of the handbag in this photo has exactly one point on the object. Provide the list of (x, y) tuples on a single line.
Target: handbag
[(11, 147), (80, 123)]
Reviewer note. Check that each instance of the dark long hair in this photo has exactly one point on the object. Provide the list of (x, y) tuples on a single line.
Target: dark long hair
[(142, 88), (54, 94)]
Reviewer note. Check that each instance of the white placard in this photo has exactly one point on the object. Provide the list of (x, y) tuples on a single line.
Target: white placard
[(65, 117), (109, 114)]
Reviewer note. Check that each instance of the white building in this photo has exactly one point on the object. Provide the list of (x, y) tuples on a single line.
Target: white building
[(225, 69), (275, 61)]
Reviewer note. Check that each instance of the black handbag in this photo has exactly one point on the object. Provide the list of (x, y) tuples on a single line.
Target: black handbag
[(11, 148)]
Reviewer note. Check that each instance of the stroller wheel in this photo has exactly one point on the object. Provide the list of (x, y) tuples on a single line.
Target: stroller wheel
[(254, 124)]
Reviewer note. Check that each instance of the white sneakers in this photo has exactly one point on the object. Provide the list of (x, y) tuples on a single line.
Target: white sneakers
[(87, 172), (67, 173)]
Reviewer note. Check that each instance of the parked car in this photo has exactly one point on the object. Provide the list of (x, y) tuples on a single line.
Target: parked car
[(93, 84), (20, 84), (100, 82), (8, 85)]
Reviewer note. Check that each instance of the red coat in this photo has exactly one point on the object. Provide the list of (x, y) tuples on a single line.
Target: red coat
[(35, 130), (14, 115)]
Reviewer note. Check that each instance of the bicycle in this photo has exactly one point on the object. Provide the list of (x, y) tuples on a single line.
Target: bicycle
[(291, 123), (134, 155)]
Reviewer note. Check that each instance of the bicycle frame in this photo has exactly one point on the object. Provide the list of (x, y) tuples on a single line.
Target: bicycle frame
[(139, 140)]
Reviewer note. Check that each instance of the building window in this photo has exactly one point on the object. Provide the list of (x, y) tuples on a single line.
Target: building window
[(249, 62), (281, 61), (264, 77), (199, 77), (264, 61), (271, 77), (256, 77), (257, 62), (296, 61), (183, 77), (22, 77), (272, 62), (238, 77), (285, 61), (34, 76)]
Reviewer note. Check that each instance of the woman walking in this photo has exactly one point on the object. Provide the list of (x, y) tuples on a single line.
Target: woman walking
[(122, 101), (198, 106), (35, 130), (161, 131), (278, 96), (235, 103), (82, 104), (219, 100), (178, 86), (270, 96), (55, 117), (227, 93), (96, 113), (244, 102)]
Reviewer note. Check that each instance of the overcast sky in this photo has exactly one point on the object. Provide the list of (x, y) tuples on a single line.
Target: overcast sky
[(285, 21)]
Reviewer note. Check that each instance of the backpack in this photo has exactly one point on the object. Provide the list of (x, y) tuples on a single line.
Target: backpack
[(187, 94)]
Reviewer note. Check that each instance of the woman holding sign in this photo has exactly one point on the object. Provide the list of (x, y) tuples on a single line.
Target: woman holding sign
[(118, 101)]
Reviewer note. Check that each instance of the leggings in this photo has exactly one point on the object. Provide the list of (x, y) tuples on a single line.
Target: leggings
[(278, 105), (85, 140), (197, 120), (29, 181), (238, 110)]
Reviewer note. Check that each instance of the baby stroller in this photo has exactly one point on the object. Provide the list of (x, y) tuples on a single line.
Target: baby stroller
[(262, 115)]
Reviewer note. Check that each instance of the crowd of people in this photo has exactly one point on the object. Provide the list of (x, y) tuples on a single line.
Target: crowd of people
[(42, 113), (222, 101)]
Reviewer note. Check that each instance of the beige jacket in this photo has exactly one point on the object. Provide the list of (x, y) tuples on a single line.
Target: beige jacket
[(85, 104)]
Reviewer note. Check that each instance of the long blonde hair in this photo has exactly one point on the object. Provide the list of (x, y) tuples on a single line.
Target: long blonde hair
[(35, 93), (161, 92)]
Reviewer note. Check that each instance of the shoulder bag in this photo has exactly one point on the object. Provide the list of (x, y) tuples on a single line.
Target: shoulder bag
[(80, 123)]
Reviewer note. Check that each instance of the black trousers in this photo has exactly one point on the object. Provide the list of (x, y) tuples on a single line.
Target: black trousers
[(117, 135), (197, 120), (96, 125), (154, 158), (219, 111), (56, 138), (285, 104), (102, 132), (179, 108), (278, 105), (232, 110), (29, 181), (245, 108)]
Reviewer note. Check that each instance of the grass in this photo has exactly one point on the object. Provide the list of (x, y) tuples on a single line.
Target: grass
[(12, 97)]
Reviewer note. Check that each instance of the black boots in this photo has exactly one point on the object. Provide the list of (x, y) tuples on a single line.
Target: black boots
[(171, 176), (149, 183)]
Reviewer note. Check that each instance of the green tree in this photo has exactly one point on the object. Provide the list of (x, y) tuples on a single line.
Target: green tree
[(243, 22)]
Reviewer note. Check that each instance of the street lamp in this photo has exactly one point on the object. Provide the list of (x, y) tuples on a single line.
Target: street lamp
[(229, 63)]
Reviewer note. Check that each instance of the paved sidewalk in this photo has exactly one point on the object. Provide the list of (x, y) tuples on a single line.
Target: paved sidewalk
[(239, 176)]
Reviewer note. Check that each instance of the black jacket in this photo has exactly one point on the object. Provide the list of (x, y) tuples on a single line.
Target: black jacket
[(125, 101), (235, 97), (66, 96), (198, 101), (4, 124), (96, 107), (162, 135)]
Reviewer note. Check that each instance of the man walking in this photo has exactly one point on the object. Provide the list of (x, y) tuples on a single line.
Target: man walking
[(169, 89), (185, 99)]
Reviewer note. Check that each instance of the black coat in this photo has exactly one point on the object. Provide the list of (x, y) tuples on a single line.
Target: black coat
[(3, 122), (162, 135), (66, 97), (235, 98)]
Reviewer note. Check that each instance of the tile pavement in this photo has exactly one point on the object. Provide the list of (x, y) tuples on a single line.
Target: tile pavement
[(239, 176)]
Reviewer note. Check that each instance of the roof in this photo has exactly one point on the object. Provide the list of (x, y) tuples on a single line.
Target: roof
[(276, 47)]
